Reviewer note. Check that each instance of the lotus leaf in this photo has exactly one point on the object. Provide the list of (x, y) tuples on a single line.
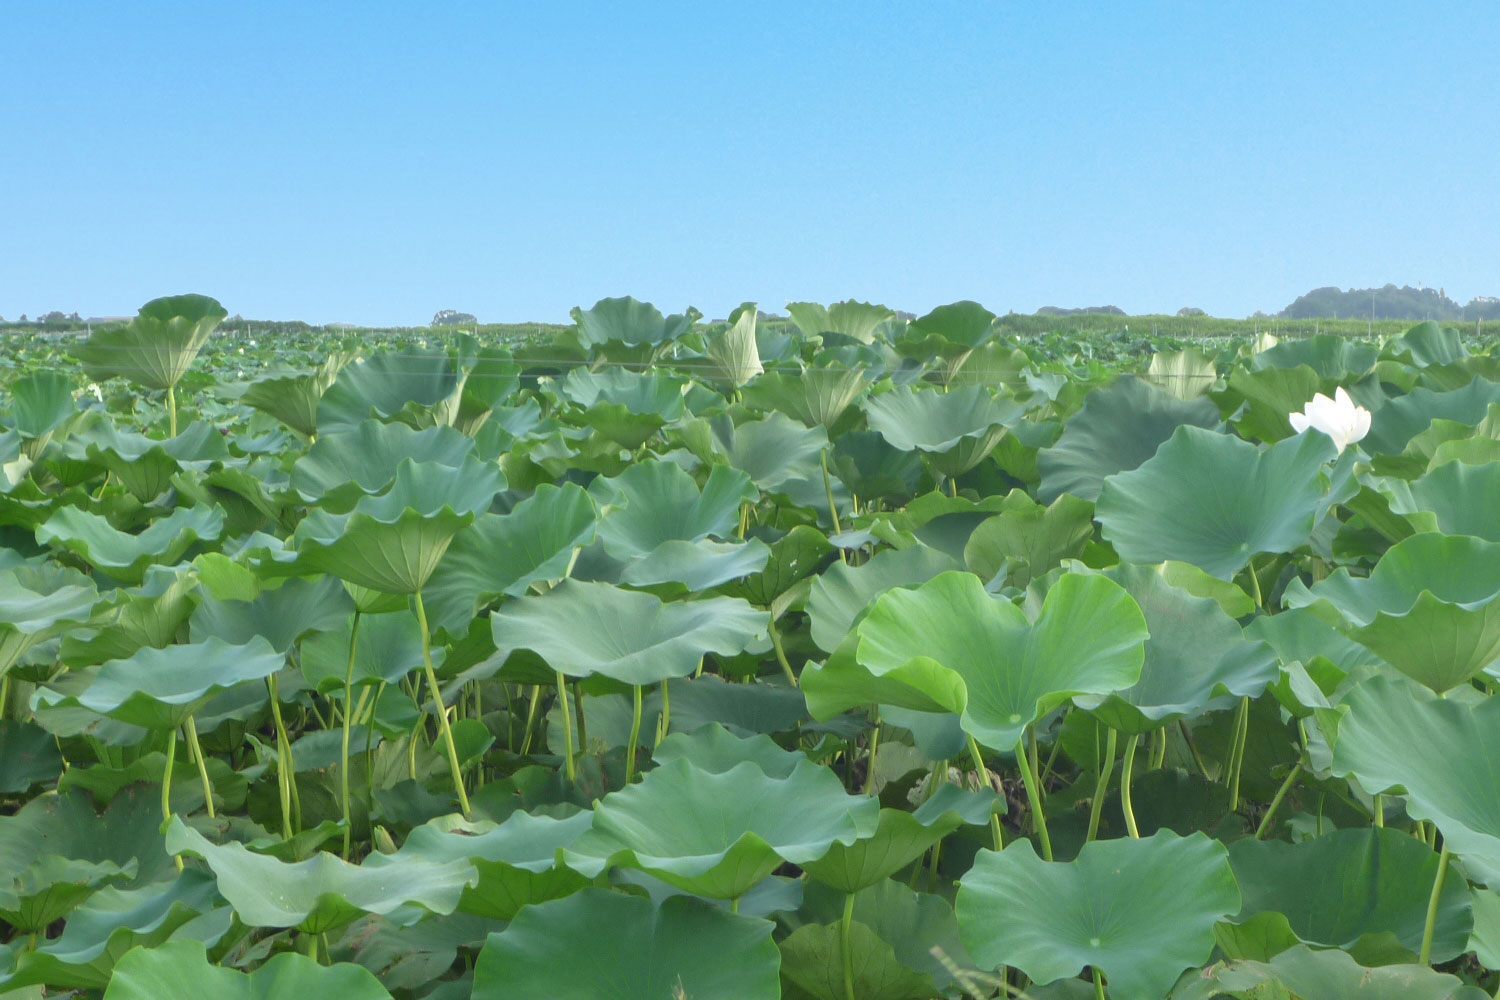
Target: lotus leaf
[(182, 969), (126, 556)]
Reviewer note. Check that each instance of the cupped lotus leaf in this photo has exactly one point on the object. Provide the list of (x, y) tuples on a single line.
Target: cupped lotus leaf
[(626, 330), (294, 399), (1186, 374), (1444, 754), (841, 594), (416, 387), (794, 557), (702, 703), (770, 450), (919, 927), (1087, 639), (856, 320), (1027, 539), (125, 556), (716, 835), (655, 393), (817, 396), (40, 403), (1429, 608), (50, 887), (148, 615), (125, 835), (1197, 658), (343, 467), (155, 348), (144, 465), (1336, 889), (1118, 428), (812, 962), (182, 969), (734, 354), (1213, 500), (35, 605), (1443, 500), (1425, 345), (607, 944), (677, 566), (108, 925), (504, 554), (28, 756), (656, 501), (636, 638), (517, 861), (1263, 400), (902, 837), (1139, 911), (1398, 421), (872, 469), (322, 892), (955, 429), (715, 748), (1333, 358), (280, 615), (162, 688), (948, 334), (386, 648), (1302, 972)]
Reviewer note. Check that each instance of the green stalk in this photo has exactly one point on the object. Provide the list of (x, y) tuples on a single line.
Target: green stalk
[(1255, 584), (536, 697), (196, 752), (833, 510), (635, 732), (1425, 955), (562, 695), (171, 411), (1098, 984), (870, 761), (786, 667), (1038, 818), (348, 722), (1097, 806), (1377, 811), (166, 787), (664, 721), (1125, 770), (846, 947), (1237, 752), (437, 705), (285, 775), (583, 729), (984, 777), (1281, 793)]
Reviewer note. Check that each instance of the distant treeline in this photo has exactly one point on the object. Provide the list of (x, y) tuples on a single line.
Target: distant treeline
[(1390, 302)]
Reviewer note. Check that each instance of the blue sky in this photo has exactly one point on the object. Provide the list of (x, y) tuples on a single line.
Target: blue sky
[(376, 162)]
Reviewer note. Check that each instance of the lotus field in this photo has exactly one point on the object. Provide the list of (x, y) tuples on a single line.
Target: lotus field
[(846, 657)]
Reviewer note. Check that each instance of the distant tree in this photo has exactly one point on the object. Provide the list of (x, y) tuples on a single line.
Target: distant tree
[(23, 318), (451, 317), (1386, 302), (1191, 311), (1086, 310)]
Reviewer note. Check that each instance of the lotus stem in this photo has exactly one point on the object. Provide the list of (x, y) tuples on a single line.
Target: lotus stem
[(1425, 955), (953, 487), (984, 776), (664, 721), (1237, 751), (786, 667), (166, 787), (635, 732), (196, 752), (1126, 767), (833, 510), (1377, 811), (1096, 808), (348, 721), (536, 696), (1255, 585), (171, 411), (437, 705), (846, 946), (870, 760), (1038, 818), (1187, 737), (583, 729), (285, 774), (369, 758), (1098, 983), (562, 697), (1281, 793)]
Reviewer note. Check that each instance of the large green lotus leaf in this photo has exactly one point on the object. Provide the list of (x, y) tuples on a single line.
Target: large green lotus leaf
[(1027, 539), (902, 837), (420, 387), (123, 555), (595, 628), (182, 969), (28, 756), (161, 688), (1445, 754), (949, 332), (771, 450), (294, 399), (107, 926), (917, 926), (794, 557), (604, 944), (1263, 400), (955, 429), (653, 393), (872, 469), (1186, 374), (155, 348), (715, 748), (857, 320), (679, 566), (36, 604), (627, 330), (1426, 344), (343, 467), (49, 888), (146, 466), (1118, 428), (1301, 973), (40, 403), (516, 861), (149, 615), (1197, 658), (1140, 911), (812, 962), (717, 835), (703, 703), (387, 648), (1429, 607), (507, 553), (126, 835), (1341, 887), (280, 616), (322, 892), (841, 593), (734, 354), (1333, 357), (817, 396), (656, 501), (1213, 500), (1087, 639), (1398, 421), (1443, 500)]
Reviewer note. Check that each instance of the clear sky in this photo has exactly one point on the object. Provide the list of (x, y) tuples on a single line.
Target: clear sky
[(376, 162)]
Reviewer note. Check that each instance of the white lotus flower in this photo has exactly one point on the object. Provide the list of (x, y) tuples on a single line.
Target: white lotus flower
[(1338, 417)]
